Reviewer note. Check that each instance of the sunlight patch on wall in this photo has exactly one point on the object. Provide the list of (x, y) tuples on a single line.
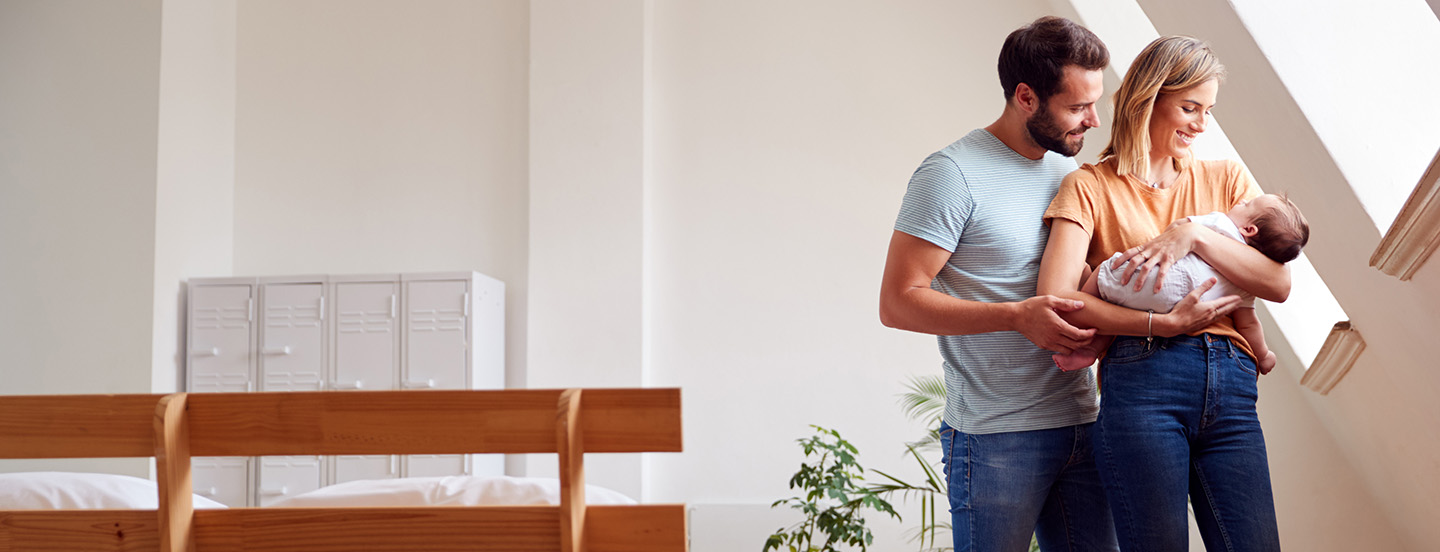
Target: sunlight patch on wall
[(1355, 73), (1307, 317)]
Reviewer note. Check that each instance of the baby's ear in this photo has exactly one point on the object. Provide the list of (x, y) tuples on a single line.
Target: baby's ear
[(1249, 230)]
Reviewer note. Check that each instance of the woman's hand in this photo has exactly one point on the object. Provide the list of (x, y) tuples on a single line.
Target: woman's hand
[(1159, 254), (1191, 314)]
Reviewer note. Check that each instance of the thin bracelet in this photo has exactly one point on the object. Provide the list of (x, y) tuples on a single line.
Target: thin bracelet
[(1149, 326)]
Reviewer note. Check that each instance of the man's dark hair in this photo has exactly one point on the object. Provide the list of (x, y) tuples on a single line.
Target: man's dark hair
[(1037, 54), (1281, 232)]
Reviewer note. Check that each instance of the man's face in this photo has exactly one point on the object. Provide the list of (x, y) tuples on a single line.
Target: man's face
[(1060, 123)]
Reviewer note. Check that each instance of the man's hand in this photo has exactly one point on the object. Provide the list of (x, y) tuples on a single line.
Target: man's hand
[(1038, 319), (1191, 314)]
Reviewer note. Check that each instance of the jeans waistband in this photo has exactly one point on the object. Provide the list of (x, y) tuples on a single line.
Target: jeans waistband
[(1202, 341)]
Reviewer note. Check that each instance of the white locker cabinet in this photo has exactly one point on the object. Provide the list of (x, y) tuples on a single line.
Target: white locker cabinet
[(292, 341), (292, 358), (366, 348), (366, 334), (341, 332), (282, 477), (220, 339), (220, 344), (223, 479), (354, 467), (437, 346)]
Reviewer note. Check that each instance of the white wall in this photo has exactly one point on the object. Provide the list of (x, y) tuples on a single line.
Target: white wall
[(384, 137), (587, 212), (78, 90), (784, 136)]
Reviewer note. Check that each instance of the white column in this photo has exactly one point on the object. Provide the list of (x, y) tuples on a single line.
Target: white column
[(195, 176)]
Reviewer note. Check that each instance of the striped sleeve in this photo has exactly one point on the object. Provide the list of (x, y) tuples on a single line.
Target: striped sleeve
[(937, 203)]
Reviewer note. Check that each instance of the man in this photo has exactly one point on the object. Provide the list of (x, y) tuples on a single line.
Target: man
[(963, 264)]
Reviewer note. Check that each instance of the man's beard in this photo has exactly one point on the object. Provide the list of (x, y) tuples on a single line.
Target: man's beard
[(1050, 136)]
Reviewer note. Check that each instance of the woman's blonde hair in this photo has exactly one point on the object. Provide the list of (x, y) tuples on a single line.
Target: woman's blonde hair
[(1169, 64)]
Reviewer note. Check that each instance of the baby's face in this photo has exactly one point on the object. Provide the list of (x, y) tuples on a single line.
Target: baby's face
[(1247, 210)]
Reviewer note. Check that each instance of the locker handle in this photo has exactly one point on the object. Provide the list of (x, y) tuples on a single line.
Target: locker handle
[(282, 491), (392, 306), (429, 383), (213, 351), (277, 350), (357, 384), (393, 470)]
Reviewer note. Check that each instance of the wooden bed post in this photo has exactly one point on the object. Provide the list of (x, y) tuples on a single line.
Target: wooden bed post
[(572, 472), (172, 461)]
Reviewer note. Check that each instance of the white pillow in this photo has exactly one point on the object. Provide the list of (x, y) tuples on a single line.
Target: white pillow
[(446, 491), (82, 491)]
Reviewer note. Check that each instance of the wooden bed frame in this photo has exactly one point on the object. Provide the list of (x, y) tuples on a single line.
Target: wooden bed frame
[(567, 422)]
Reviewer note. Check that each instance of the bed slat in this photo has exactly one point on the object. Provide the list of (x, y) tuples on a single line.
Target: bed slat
[(427, 422), (650, 528), (72, 530), (77, 426)]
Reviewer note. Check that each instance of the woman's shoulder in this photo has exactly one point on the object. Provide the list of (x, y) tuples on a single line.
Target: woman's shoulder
[(1092, 174), (1222, 168)]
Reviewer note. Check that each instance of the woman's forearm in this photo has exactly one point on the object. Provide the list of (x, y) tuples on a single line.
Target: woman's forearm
[(1244, 266), (1109, 318)]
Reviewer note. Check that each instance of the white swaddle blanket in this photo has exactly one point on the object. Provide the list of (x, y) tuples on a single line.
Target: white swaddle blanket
[(1184, 276)]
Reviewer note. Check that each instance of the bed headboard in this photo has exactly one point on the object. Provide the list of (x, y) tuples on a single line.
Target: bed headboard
[(173, 428), (566, 422)]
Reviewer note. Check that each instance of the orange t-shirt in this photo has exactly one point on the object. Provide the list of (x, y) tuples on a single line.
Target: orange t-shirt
[(1120, 212)]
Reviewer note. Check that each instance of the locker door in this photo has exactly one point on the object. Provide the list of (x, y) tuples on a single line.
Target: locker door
[(367, 348), (219, 338), (282, 477), (435, 465), (291, 340), (224, 479), (436, 343), (355, 468)]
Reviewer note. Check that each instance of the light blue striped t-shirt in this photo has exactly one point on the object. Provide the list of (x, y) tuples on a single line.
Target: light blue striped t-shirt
[(984, 203)]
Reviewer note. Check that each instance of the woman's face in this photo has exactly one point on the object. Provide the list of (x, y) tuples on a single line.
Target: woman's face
[(1179, 118)]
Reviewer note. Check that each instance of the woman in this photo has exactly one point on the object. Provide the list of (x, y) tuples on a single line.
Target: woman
[(1177, 413)]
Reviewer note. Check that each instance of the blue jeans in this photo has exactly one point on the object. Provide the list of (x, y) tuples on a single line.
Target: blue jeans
[(1177, 417), (1006, 486)]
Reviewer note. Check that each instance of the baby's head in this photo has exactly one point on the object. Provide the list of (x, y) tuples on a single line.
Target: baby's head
[(1272, 224)]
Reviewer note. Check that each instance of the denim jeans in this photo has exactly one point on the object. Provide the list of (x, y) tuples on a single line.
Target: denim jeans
[(1177, 417), (1006, 486)]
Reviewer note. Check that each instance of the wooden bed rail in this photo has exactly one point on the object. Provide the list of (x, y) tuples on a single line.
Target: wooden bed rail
[(173, 428), (427, 422), (77, 426), (567, 422)]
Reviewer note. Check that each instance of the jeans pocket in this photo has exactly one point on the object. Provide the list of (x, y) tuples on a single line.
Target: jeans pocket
[(1130, 349), (1246, 364)]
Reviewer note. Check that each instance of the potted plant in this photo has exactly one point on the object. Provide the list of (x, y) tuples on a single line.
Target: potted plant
[(833, 501)]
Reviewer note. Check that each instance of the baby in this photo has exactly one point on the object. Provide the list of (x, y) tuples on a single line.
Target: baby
[(1270, 223)]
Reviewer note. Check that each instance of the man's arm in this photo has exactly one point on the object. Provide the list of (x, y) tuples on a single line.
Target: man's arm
[(907, 302), (1064, 264)]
